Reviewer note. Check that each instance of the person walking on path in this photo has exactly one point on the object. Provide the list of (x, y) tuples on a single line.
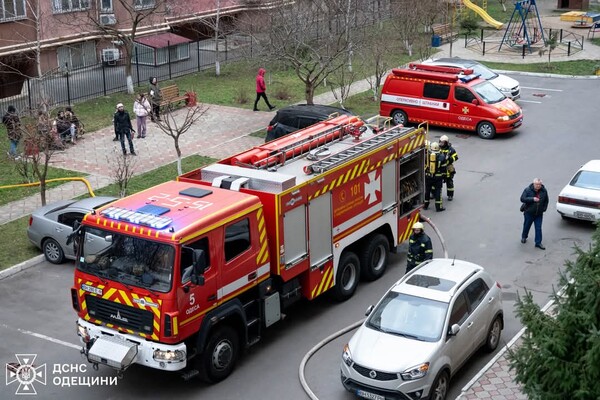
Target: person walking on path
[(141, 109), (155, 98), (12, 122), (434, 173), (535, 203), (123, 128), (419, 247), (451, 156), (261, 89)]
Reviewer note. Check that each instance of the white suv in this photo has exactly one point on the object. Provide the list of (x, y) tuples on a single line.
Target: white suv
[(420, 333)]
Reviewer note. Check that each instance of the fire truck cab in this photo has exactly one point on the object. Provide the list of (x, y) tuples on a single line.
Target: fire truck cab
[(194, 270)]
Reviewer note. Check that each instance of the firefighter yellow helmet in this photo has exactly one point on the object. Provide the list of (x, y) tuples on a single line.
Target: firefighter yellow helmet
[(418, 225), (434, 147), (444, 138)]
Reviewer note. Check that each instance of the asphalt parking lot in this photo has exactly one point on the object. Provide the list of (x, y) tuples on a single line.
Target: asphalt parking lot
[(482, 225)]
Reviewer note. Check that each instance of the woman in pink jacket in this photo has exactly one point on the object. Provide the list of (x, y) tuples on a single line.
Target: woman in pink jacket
[(261, 88), (141, 109)]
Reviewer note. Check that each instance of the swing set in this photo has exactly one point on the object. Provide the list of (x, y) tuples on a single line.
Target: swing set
[(525, 27)]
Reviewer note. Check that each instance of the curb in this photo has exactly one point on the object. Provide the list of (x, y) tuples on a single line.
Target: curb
[(546, 75), (15, 269)]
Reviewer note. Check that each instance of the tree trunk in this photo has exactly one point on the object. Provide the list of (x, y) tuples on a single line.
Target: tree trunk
[(128, 67), (309, 92), (178, 150)]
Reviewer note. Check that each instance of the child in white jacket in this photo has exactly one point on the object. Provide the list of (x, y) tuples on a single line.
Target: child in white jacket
[(141, 109)]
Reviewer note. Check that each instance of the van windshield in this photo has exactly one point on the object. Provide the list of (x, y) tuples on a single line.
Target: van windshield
[(485, 73), (488, 92)]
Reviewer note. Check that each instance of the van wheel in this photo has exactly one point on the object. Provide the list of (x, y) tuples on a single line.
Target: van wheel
[(374, 257), (399, 117), (346, 278), (486, 130), (220, 355)]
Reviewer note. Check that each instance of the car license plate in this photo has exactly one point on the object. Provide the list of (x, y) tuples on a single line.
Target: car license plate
[(518, 123), (369, 395), (584, 215)]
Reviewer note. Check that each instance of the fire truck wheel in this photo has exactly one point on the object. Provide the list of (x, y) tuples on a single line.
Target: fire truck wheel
[(374, 257), (399, 117), (53, 252), (486, 130), (220, 354), (346, 279)]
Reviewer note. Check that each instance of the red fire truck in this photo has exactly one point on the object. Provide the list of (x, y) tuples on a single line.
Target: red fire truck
[(194, 270)]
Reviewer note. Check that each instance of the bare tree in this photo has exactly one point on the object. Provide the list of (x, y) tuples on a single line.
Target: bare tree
[(503, 4), (137, 14), (340, 83), (309, 37), (40, 142), (175, 127), (123, 168), (377, 46), (550, 44)]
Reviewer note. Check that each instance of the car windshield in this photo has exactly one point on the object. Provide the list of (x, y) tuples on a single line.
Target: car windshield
[(410, 316), (587, 180), (129, 260), (489, 93), (485, 72)]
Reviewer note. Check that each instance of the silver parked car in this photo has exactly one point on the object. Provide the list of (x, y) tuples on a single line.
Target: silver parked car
[(50, 225), (422, 331), (507, 85)]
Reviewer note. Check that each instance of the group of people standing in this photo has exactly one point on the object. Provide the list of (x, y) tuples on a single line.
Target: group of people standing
[(142, 108), (440, 169)]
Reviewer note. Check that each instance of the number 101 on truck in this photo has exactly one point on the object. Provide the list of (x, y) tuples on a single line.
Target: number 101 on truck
[(185, 275)]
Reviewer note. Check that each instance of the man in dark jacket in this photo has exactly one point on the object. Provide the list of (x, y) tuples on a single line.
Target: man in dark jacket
[(123, 128), (419, 247), (535, 200), (13, 129), (435, 171), (451, 156)]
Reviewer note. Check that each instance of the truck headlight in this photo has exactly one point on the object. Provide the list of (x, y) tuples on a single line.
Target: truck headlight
[(346, 356), (416, 372), (169, 355)]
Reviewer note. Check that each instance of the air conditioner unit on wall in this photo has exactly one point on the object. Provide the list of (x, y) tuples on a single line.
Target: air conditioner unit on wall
[(108, 19), (110, 55)]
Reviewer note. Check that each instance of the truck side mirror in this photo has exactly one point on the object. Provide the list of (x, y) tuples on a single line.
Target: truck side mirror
[(199, 260), (475, 102)]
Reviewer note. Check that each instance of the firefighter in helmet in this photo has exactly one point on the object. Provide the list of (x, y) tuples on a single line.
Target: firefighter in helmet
[(419, 247), (435, 170), (451, 156)]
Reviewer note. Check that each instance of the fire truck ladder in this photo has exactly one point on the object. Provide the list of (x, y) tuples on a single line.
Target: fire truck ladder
[(303, 146), (360, 148)]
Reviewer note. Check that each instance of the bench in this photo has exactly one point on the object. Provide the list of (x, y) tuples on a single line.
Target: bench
[(170, 95), (444, 31)]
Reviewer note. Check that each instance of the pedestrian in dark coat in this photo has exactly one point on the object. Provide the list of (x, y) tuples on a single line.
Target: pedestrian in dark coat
[(123, 128), (12, 122), (155, 98), (261, 89), (535, 204), (419, 247), (435, 172), (451, 156)]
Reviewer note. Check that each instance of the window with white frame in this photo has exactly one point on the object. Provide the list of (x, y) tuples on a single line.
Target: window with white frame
[(11, 10), (142, 4), (106, 5), (61, 6)]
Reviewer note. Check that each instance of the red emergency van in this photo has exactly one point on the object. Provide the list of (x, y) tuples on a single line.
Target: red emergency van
[(449, 97)]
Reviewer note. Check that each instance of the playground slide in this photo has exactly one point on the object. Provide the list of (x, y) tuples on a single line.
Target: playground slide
[(484, 15)]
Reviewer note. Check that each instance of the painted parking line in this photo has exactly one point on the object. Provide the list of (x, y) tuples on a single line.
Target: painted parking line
[(44, 337), (544, 89), (529, 101)]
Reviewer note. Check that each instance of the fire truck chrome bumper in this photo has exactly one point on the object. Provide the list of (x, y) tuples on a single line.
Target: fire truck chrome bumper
[(105, 346)]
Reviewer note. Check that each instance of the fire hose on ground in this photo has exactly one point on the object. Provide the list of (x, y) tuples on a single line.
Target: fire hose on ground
[(352, 326)]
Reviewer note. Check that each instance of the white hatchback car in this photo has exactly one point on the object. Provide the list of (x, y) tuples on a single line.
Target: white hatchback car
[(422, 331), (580, 198), (507, 85)]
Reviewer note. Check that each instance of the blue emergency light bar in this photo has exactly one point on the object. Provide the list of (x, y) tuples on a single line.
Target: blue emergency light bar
[(136, 217), (468, 78)]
